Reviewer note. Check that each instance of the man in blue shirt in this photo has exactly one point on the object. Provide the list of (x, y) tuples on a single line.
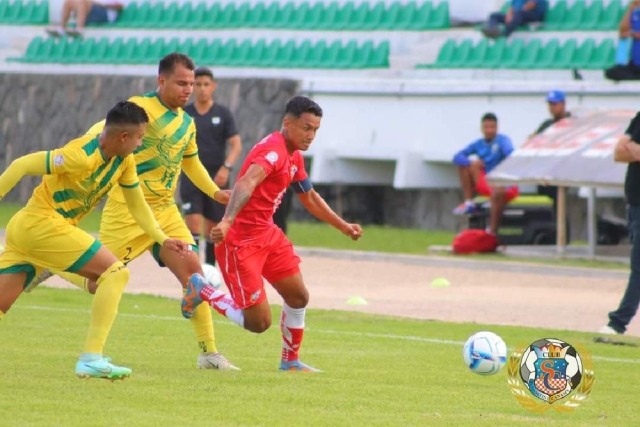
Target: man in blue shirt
[(629, 29), (520, 12), (491, 150)]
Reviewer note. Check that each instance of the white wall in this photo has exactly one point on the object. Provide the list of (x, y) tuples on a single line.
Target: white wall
[(372, 134)]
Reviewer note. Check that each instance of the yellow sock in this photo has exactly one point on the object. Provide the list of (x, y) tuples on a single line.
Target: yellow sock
[(203, 326), (1, 314), (79, 281), (104, 308)]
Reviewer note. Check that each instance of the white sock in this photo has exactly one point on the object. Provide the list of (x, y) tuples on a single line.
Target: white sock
[(223, 304), (292, 327)]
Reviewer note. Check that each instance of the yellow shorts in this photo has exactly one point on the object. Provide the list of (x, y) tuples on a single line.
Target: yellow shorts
[(122, 235), (36, 241)]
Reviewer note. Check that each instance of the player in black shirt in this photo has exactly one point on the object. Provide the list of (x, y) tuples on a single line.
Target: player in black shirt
[(215, 128), (628, 151)]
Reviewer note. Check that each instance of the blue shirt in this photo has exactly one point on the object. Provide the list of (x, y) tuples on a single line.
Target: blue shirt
[(635, 27), (541, 5), (492, 153)]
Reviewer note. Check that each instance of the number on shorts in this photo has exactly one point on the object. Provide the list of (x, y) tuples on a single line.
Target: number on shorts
[(126, 256)]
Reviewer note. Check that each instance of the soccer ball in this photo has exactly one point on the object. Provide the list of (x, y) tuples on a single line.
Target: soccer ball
[(484, 353), (212, 275)]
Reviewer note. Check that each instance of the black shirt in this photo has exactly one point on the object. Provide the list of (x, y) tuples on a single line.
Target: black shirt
[(212, 131), (632, 180), (549, 122)]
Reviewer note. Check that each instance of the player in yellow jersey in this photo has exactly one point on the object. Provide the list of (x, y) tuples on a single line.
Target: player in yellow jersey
[(44, 234), (168, 147)]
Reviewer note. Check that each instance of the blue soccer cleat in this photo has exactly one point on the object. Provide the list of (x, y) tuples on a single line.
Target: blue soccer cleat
[(192, 299), (101, 368), (297, 365)]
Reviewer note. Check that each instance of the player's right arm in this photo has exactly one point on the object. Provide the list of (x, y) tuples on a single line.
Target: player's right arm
[(462, 157), (62, 160), (241, 194), (627, 150)]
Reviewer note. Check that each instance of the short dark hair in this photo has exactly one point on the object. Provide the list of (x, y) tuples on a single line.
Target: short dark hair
[(204, 71), (169, 62), (299, 105), (126, 113), (489, 117)]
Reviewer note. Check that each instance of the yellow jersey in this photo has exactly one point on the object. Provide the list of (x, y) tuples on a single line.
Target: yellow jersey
[(170, 137), (78, 177)]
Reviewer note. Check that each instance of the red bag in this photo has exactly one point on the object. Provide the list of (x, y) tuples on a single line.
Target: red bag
[(474, 241)]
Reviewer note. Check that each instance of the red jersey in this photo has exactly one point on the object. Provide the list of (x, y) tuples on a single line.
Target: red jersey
[(282, 169)]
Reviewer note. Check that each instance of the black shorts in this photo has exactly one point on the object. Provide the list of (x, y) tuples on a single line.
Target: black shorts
[(195, 201)]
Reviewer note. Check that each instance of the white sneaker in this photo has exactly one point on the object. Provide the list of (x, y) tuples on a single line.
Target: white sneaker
[(36, 281), (215, 361), (608, 330)]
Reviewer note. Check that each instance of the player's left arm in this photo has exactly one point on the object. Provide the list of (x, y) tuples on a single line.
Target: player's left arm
[(197, 173), (317, 206)]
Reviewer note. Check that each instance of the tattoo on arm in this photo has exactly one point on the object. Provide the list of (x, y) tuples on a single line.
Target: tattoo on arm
[(239, 197)]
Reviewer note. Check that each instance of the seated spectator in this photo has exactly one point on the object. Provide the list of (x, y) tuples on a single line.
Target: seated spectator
[(491, 150), (520, 12), (629, 28), (556, 100), (87, 12)]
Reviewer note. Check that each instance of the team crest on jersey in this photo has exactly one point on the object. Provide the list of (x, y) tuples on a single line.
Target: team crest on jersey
[(255, 296), (294, 169), (58, 160), (215, 121), (272, 157)]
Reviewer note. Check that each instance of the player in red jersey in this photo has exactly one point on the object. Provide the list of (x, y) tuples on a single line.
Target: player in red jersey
[(250, 246)]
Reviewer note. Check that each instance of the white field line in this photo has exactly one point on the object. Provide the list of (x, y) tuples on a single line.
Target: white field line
[(314, 330)]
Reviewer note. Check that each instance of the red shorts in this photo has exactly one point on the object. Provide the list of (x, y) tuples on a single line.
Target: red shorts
[(482, 187), (243, 263)]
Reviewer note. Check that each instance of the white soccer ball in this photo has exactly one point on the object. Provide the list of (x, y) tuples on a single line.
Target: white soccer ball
[(212, 275), (484, 353)]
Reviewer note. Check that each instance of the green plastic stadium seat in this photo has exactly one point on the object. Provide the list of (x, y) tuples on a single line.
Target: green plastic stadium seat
[(314, 55), (445, 55), (169, 46), (313, 20), (328, 57), (547, 56), (255, 17), (283, 56), (420, 20), (239, 15), (380, 56), (328, 16), (584, 54), (477, 55), (114, 52), (345, 56), (362, 56), (358, 18), (527, 55), (154, 17), (4, 11), (440, 17), (611, 16), (298, 15), (497, 54), (460, 54), (139, 18), (226, 52), (285, 13), (407, 12), (300, 54), (240, 54), (513, 54), (224, 17), (390, 17), (556, 16), (575, 16), (40, 14), (592, 15), (85, 51), (200, 50), (262, 53), (203, 17), (127, 16), (376, 12), (343, 17), (604, 55), (34, 50), (269, 17), (127, 52), (168, 16)]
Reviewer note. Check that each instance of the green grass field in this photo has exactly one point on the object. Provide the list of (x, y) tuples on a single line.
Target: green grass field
[(377, 239), (380, 371)]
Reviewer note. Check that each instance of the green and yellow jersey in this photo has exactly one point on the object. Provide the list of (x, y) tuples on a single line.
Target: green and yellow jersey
[(78, 176), (170, 138)]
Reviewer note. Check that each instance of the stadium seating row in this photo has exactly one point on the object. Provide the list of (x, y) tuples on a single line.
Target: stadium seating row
[(31, 12), (302, 16), (231, 53), (583, 16), (518, 54)]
